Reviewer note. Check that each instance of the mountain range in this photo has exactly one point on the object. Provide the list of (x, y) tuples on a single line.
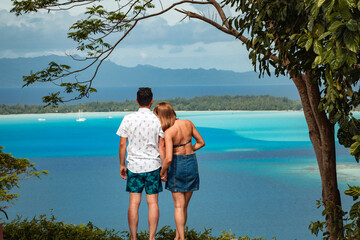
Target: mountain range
[(113, 75)]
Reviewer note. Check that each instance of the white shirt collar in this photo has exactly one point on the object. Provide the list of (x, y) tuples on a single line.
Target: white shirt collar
[(144, 110)]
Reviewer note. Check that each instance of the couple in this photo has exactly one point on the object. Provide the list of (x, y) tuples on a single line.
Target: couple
[(150, 137)]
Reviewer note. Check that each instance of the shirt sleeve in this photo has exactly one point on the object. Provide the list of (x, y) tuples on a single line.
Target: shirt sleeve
[(123, 129), (161, 132)]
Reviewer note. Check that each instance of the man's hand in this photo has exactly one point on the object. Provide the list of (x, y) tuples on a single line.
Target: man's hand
[(163, 176), (123, 172)]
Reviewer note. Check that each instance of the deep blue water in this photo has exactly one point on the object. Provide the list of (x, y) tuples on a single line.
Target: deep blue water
[(254, 172), (33, 95)]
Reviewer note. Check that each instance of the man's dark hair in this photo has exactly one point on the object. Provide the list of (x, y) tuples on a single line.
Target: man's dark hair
[(144, 96)]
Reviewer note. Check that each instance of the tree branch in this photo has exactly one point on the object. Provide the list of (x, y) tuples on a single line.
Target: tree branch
[(226, 28)]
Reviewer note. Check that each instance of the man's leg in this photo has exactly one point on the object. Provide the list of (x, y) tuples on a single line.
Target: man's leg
[(152, 201), (133, 213)]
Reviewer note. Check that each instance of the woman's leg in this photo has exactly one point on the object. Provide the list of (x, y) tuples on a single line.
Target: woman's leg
[(187, 200), (181, 202)]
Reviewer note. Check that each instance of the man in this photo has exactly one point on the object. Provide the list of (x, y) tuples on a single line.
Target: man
[(142, 131)]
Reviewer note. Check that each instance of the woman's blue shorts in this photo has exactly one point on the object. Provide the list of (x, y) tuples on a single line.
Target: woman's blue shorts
[(183, 174)]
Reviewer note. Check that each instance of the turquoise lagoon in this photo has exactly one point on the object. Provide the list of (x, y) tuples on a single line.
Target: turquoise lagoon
[(258, 172)]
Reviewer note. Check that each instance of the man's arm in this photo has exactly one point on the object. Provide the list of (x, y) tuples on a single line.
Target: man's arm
[(122, 154)]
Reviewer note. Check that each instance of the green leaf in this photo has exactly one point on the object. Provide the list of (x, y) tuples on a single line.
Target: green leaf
[(324, 35), (271, 36), (320, 2), (355, 148), (352, 25), (319, 29), (355, 211), (353, 191), (344, 9), (351, 3), (351, 41), (335, 25), (356, 138), (351, 59), (317, 47), (308, 44), (317, 61), (329, 77), (302, 40), (292, 37)]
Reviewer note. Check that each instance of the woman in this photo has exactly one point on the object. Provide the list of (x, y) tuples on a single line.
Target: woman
[(180, 169)]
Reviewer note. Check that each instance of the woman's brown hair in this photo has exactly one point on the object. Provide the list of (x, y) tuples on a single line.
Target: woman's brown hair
[(165, 112)]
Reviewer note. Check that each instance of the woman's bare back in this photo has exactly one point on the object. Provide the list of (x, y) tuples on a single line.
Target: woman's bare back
[(181, 133)]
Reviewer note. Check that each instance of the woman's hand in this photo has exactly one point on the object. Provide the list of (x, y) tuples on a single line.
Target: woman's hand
[(163, 176)]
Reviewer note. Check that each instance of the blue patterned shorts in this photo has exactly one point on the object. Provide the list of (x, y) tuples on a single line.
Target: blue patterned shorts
[(150, 180)]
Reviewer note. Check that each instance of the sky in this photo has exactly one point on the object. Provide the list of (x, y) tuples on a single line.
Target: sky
[(163, 41)]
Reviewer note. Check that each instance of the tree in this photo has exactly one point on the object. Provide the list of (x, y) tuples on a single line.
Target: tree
[(12, 171), (314, 42)]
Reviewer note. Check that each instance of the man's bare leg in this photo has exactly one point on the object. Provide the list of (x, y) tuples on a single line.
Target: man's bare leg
[(133, 213), (152, 201)]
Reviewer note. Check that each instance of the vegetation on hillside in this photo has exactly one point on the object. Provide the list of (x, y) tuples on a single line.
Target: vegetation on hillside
[(205, 103), (44, 228)]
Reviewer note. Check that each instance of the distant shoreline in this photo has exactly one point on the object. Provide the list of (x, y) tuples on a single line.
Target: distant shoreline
[(127, 112)]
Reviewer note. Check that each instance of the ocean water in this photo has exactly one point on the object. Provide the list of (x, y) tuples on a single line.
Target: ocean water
[(258, 172)]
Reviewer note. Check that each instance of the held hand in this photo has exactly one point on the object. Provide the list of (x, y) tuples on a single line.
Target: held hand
[(163, 176), (123, 172)]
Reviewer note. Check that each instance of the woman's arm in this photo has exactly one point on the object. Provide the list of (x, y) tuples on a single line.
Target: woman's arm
[(168, 153), (162, 149), (199, 140)]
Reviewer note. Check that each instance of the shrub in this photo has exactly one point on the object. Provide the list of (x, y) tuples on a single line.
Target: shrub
[(44, 228), (351, 228)]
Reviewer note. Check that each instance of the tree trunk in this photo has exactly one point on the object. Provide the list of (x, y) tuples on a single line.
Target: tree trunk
[(1, 231), (321, 132)]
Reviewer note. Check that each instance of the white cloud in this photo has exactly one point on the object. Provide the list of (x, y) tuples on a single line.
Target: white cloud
[(157, 41), (5, 4), (176, 50), (143, 55)]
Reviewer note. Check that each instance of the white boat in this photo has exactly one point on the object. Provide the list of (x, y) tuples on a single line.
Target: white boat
[(109, 117), (41, 119), (79, 118)]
